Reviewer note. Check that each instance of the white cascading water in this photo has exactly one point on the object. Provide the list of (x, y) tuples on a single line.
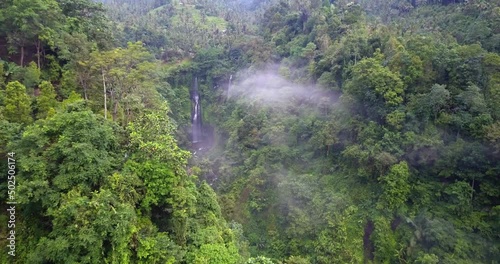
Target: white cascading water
[(196, 121)]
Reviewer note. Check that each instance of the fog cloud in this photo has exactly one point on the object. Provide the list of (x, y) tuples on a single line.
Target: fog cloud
[(268, 88)]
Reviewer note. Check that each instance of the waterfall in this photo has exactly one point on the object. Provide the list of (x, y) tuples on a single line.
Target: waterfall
[(196, 114)]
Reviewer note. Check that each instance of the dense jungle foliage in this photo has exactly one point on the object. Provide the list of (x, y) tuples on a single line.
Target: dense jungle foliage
[(335, 131)]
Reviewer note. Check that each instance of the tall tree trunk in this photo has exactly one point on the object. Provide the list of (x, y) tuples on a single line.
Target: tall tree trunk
[(85, 96), (114, 104), (38, 46), (22, 56), (105, 96), (84, 85)]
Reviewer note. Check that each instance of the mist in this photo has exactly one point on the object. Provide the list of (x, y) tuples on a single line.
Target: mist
[(268, 88)]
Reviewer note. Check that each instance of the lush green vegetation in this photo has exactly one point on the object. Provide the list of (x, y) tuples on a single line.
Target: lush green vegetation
[(343, 132)]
